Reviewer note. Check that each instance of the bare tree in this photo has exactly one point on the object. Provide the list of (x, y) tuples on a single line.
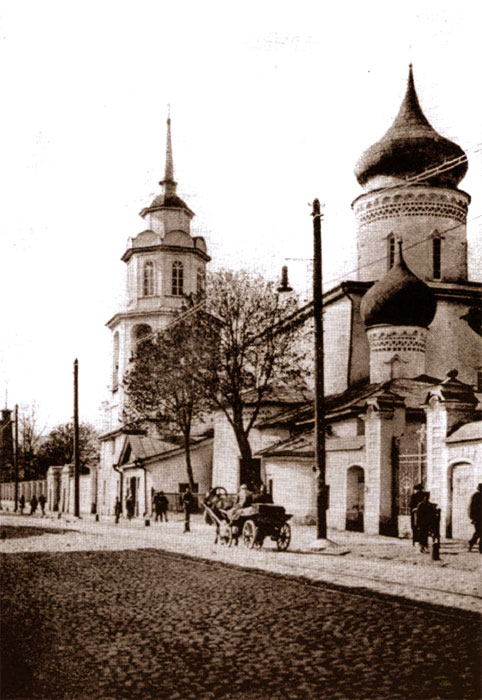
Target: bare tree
[(29, 440)]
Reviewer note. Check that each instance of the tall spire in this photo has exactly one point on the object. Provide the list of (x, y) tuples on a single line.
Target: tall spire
[(168, 182)]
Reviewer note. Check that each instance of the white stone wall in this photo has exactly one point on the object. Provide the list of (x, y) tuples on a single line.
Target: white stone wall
[(412, 214), (452, 344), (167, 474), (293, 484)]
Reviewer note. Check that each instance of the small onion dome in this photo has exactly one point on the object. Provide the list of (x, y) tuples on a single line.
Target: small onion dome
[(411, 146), (399, 299)]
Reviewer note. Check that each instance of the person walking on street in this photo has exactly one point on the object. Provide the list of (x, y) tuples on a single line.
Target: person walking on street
[(415, 499), (42, 501), (187, 499), (33, 504), (475, 514), (424, 520), (163, 504), (117, 510), (129, 506), (22, 504)]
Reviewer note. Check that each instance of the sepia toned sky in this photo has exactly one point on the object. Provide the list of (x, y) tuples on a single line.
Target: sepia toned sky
[(271, 105)]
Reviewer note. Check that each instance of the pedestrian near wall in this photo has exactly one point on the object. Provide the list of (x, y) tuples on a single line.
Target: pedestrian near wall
[(475, 514), (129, 507), (425, 515), (22, 504), (164, 504), (187, 503), (415, 499), (33, 504), (42, 501), (117, 510)]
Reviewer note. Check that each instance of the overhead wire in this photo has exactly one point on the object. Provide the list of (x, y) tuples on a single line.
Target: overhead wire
[(426, 174)]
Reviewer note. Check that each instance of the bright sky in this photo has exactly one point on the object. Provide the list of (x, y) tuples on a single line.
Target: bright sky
[(271, 105)]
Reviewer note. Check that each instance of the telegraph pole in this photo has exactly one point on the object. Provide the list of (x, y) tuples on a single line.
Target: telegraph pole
[(76, 440), (15, 458), (320, 458)]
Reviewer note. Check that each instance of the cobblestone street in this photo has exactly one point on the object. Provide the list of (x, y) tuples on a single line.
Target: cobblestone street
[(153, 624)]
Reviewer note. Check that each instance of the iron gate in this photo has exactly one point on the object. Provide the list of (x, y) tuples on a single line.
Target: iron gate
[(411, 470)]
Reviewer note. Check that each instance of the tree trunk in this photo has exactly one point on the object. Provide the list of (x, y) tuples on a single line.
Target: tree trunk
[(187, 449)]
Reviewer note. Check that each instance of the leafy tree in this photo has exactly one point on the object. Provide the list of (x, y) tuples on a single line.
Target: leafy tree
[(257, 349), (161, 387), (58, 446), (226, 353)]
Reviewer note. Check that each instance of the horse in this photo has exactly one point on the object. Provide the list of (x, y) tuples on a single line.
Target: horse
[(218, 501)]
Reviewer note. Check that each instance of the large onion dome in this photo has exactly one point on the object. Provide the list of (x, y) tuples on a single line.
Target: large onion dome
[(399, 299), (410, 147)]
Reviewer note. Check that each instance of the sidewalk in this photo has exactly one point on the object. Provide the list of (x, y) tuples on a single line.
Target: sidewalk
[(383, 564)]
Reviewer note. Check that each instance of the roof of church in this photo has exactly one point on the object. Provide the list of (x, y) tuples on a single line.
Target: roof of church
[(469, 431), (399, 299), (410, 146)]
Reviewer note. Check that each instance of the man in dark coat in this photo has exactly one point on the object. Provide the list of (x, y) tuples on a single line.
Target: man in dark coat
[(42, 501), (160, 506), (475, 514), (425, 520), (187, 505), (415, 499), (117, 510)]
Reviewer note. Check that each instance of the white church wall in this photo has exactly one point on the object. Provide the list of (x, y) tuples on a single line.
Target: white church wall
[(452, 344)]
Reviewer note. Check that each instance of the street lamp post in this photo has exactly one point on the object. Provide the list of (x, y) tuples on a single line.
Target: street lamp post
[(76, 441), (320, 460)]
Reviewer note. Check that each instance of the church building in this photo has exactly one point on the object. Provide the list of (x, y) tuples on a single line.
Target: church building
[(164, 264), (402, 351)]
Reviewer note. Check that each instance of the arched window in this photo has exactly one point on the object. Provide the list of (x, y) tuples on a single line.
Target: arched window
[(177, 278), (142, 331), (437, 258), (148, 279), (391, 251), (200, 281), (115, 363)]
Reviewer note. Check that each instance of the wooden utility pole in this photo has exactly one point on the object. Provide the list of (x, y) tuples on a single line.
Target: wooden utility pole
[(15, 458), (76, 440), (320, 461)]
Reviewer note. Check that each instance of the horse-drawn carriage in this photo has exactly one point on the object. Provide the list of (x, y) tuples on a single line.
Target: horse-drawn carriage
[(252, 523)]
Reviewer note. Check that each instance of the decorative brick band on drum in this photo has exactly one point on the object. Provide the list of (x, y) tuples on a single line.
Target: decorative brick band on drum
[(412, 204), (398, 340)]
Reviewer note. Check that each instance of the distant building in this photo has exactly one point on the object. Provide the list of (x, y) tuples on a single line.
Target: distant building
[(164, 264)]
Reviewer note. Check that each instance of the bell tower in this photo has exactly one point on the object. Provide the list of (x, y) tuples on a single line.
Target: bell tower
[(164, 264)]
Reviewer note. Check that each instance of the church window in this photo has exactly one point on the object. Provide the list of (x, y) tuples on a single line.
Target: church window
[(437, 258), (391, 251), (142, 332), (115, 363), (148, 279), (177, 278)]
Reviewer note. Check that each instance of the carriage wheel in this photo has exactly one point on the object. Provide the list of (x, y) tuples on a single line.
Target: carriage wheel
[(284, 538), (226, 535), (250, 534)]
